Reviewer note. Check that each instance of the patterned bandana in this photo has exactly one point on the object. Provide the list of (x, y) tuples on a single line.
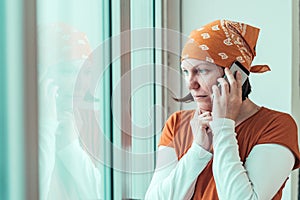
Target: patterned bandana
[(222, 42)]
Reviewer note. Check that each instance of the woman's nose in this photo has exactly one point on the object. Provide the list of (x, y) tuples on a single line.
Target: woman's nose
[(193, 82)]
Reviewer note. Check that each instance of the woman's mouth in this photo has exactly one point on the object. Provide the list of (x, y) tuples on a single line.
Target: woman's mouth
[(199, 97)]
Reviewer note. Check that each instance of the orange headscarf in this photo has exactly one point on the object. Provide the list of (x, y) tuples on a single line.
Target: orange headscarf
[(222, 42)]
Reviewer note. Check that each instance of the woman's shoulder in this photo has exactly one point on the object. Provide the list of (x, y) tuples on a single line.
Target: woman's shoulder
[(276, 126), (268, 123), (182, 114), (275, 115), (180, 117), (280, 128), (176, 122)]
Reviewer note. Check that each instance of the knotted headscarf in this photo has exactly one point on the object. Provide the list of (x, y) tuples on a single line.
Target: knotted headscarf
[(222, 42)]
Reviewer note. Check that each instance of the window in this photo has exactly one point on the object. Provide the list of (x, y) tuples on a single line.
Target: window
[(103, 79)]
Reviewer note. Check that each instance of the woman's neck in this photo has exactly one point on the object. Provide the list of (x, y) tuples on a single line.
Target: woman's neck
[(248, 109)]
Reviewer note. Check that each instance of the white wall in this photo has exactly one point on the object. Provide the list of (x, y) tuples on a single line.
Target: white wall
[(274, 47)]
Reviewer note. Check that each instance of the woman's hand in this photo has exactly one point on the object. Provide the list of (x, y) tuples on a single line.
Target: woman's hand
[(47, 102), (228, 101), (201, 130), (67, 130)]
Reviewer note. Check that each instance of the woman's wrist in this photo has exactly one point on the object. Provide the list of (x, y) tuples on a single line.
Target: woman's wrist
[(219, 124)]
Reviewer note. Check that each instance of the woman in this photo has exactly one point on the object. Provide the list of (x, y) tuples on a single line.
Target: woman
[(229, 147), (66, 170)]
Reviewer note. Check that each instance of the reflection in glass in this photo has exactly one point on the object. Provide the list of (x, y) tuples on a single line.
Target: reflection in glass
[(66, 170)]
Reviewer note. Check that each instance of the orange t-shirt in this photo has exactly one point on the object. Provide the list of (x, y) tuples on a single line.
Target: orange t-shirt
[(265, 126)]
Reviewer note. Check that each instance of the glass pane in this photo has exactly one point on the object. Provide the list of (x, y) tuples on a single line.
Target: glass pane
[(143, 97), (82, 100), (3, 128), (71, 111)]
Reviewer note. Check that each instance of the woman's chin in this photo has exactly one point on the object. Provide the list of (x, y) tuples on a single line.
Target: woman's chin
[(204, 106)]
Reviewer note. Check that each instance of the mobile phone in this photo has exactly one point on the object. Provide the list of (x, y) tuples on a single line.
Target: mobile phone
[(237, 66)]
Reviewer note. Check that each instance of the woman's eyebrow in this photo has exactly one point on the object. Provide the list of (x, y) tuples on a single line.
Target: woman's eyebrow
[(183, 66), (202, 65), (196, 65), (188, 64)]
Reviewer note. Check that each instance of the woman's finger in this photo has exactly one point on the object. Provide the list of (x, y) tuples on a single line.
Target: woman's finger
[(239, 83), (216, 92), (225, 89), (205, 124), (204, 114), (230, 77), (206, 118)]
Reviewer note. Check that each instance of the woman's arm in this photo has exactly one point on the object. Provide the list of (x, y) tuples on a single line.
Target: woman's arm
[(47, 128), (84, 172), (174, 179), (46, 157), (266, 168)]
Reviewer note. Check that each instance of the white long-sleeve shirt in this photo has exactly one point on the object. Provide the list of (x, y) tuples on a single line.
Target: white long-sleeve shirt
[(85, 175), (265, 170), (82, 177)]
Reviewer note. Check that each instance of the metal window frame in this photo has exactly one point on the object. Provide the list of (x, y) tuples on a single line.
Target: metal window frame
[(171, 15), (30, 99), (126, 142), (295, 176), (3, 120), (21, 99)]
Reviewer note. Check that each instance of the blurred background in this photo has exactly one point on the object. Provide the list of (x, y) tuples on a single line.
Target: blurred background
[(87, 85)]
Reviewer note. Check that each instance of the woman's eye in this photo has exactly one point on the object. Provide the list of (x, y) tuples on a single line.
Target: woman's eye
[(185, 72), (202, 71)]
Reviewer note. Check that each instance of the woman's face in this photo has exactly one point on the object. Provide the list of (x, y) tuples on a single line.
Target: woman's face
[(73, 80), (200, 76)]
